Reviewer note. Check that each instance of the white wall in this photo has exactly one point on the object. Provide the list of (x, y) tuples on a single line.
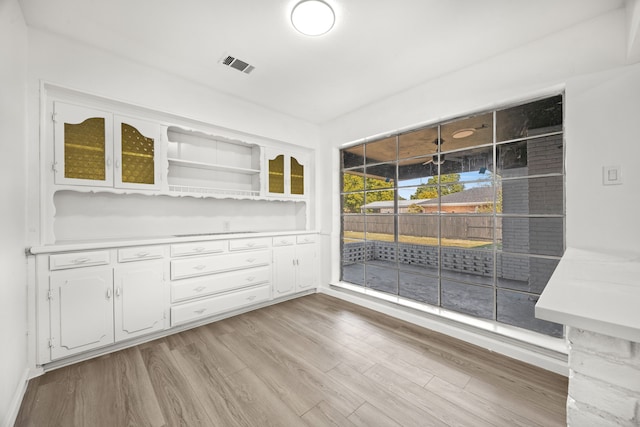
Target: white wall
[(13, 303), (602, 102)]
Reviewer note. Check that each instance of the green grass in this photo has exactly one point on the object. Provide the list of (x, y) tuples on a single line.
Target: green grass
[(429, 241)]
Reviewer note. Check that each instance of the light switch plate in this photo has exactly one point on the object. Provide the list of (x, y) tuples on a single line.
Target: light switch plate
[(611, 175)]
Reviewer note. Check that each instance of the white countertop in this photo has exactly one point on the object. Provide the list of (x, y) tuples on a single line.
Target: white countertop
[(78, 245), (599, 292)]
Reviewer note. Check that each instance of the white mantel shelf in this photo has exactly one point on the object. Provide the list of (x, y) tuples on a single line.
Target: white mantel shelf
[(595, 291)]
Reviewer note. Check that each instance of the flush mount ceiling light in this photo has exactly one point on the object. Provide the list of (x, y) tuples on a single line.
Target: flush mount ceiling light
[(312, 17), (463, 133)]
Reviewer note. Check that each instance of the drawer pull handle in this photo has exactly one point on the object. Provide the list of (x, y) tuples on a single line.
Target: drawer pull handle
[(250, 260), (81, 260), (251, 244), (251, 298), (283, 242), (202, 310), (142, 254), (251, 278), (198, 249), (200, 267), (199, 289)]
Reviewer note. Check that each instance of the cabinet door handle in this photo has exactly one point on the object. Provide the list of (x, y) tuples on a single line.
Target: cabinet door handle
[(109, 293), (118, 292), (283, 242), (108, 162), (142, 254), (293, 261), (200, 267), (199, 289), (117, 164), (202, 310), (80, 260)]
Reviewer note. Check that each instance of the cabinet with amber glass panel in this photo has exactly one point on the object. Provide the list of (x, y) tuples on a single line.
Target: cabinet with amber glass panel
[(99, 149), (286, 174)]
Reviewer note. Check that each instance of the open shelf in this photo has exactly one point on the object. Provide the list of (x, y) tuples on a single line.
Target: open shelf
[(186, 189), (211, 166)]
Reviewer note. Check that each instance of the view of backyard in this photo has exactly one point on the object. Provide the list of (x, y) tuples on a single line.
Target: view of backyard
[(472, 223)]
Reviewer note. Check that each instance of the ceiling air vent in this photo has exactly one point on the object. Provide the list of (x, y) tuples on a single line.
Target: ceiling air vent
[(238, 64)]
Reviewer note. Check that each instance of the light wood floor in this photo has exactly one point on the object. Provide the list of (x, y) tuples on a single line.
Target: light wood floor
[(315, 361)]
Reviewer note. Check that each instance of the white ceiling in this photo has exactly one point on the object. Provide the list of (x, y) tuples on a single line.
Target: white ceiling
[(377, 48)]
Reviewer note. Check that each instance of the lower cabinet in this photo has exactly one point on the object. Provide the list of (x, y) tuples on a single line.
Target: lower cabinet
[(190, 311), (81, 309), (204, 286), (92, 299), (294, 264), (140, 299), (92, 307)]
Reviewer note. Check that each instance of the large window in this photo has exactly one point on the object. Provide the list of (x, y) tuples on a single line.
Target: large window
[(466, 215)]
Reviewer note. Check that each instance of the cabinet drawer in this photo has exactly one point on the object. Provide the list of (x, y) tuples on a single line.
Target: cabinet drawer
[(197, 248), (248, 244), (140, 253), (78, 259), (216, 283), (219, 304), (284, 240), (200, 266), (307, 238)]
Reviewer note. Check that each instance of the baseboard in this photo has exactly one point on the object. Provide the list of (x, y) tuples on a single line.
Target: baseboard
[(14, 407), (525, 352)]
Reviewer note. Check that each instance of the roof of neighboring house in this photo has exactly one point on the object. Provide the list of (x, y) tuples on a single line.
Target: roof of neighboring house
[(472, 196), (389, 203)]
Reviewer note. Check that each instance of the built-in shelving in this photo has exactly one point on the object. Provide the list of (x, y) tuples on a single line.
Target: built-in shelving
[(208, 165), (190, 190), (212, 166)]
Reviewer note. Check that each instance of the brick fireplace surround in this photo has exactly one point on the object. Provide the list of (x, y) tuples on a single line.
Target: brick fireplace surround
[(598, 296)]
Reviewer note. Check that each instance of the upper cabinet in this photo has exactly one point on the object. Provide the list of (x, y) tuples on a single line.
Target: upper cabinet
[(286, 174), (99, 149)]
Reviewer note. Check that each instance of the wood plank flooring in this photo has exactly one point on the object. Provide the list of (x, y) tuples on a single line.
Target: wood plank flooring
[(312, 361)]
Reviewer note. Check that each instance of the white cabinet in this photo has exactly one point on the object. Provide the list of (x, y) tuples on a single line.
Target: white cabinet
[(287, 174), (140, 299), (294, 264), (81, 307), (94, 306), (99, 149), (206, 285)]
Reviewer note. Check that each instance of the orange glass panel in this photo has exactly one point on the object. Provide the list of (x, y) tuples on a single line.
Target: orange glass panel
[(84, 144), (276, 175), (137, 156), (297, 177)]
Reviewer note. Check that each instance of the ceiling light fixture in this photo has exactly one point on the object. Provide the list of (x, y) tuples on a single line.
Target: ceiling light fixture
[(463, 133), (312, 17)]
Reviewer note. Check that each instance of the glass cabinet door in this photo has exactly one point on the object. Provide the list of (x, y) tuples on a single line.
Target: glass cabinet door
[(83, 146), (136, 148), (286, 175), (276, 175), (297, 177)]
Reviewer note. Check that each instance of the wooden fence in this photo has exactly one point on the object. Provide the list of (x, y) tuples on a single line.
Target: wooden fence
[(452, 227)]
